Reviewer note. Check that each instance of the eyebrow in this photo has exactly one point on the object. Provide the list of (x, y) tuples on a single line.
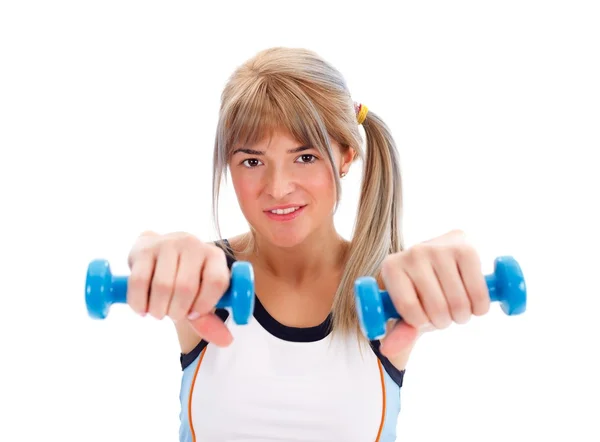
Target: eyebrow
[(260, 152)]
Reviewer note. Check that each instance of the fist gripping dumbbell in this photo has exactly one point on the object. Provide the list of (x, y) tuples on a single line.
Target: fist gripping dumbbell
[(102, 289), (374, 306)]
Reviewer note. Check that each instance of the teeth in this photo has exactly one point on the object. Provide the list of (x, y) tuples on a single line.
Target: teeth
[(284, 211)]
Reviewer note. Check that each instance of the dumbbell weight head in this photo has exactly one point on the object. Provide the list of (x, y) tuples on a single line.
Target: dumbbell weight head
[(99, 291), (369, 306), (507, 286), (241, 292)]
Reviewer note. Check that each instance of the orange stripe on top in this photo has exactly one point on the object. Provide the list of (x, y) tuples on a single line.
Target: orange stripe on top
[(192, 391), (381, 375)]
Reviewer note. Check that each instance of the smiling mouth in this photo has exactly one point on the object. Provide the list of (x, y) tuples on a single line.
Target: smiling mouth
[(284, 211)]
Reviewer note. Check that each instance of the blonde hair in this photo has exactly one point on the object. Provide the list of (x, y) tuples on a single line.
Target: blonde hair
[(296, 90)]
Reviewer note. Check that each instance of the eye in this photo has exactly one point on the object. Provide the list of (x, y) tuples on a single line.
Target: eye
[(307, 158), (251, 162)]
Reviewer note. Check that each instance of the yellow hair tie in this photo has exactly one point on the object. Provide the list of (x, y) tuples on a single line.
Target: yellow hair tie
[(362, 113)]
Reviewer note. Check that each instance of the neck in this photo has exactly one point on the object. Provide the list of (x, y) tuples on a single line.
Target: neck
[(321, 254)]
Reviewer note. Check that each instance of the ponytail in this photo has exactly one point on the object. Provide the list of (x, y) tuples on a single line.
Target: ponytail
[(377, 231)]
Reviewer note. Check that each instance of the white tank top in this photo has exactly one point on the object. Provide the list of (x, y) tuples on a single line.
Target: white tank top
[(279, 383)]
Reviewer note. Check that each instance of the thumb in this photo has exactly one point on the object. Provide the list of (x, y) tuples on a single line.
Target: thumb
[(211, 328), (400, 337)]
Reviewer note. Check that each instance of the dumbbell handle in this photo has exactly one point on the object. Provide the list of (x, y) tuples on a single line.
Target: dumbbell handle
[(390, 311), (117, 291)]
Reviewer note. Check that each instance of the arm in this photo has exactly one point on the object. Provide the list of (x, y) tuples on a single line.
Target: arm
[(400, 359), (188, 338), (398, 352)]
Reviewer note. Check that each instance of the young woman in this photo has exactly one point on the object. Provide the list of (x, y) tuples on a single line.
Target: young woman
[(301, 370)]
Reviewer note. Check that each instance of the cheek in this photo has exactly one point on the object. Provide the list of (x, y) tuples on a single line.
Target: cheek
[(321, 185), (247, 190)]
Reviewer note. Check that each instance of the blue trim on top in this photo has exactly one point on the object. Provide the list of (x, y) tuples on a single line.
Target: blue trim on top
[(392, 409), (185, 431)]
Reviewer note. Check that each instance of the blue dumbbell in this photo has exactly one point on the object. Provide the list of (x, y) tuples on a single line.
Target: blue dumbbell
[(374, 306), (102, 289)]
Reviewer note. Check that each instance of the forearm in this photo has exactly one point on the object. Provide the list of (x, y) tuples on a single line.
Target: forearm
[(400, 359)]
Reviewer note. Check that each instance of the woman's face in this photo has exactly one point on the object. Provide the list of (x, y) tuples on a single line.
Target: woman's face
[(285, 190)]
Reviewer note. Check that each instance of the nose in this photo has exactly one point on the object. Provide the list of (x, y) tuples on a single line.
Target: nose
[(280, 183)]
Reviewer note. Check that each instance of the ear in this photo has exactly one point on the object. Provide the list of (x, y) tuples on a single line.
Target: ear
[(347, 158)]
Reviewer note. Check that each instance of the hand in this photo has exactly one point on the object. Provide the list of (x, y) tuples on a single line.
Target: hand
[(178, 276), (432, 285)]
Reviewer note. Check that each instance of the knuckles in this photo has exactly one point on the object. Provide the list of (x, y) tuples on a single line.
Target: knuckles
[(183, 241), (464, 251), (186, 289), (161, 287), (429, 253), (458, 304), (178, 241), (138, 281), (220, 282), (388, 265), (408, 305), (215, 252)]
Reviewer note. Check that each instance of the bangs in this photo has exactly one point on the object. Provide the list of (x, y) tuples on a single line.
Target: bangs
[(265, 106)]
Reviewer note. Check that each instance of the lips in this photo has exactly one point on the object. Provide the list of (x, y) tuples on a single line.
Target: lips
[(288, 208), (285, 213)]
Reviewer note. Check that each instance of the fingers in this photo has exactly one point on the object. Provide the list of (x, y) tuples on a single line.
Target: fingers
[(457, 300), (178, 276), (436, 283), (138, 284), (187, 283), (473, 280), (406, 302), (214, 282), (431, 295), (415, 291), (163, 282)]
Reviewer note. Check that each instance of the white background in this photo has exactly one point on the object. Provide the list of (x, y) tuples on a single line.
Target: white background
[(107, 117)]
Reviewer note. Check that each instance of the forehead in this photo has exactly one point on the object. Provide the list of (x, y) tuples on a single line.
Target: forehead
[(279, 140), (276, 140)]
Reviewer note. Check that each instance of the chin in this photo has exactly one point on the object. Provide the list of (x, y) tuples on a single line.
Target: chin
[(285, 239), (282, 236)]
